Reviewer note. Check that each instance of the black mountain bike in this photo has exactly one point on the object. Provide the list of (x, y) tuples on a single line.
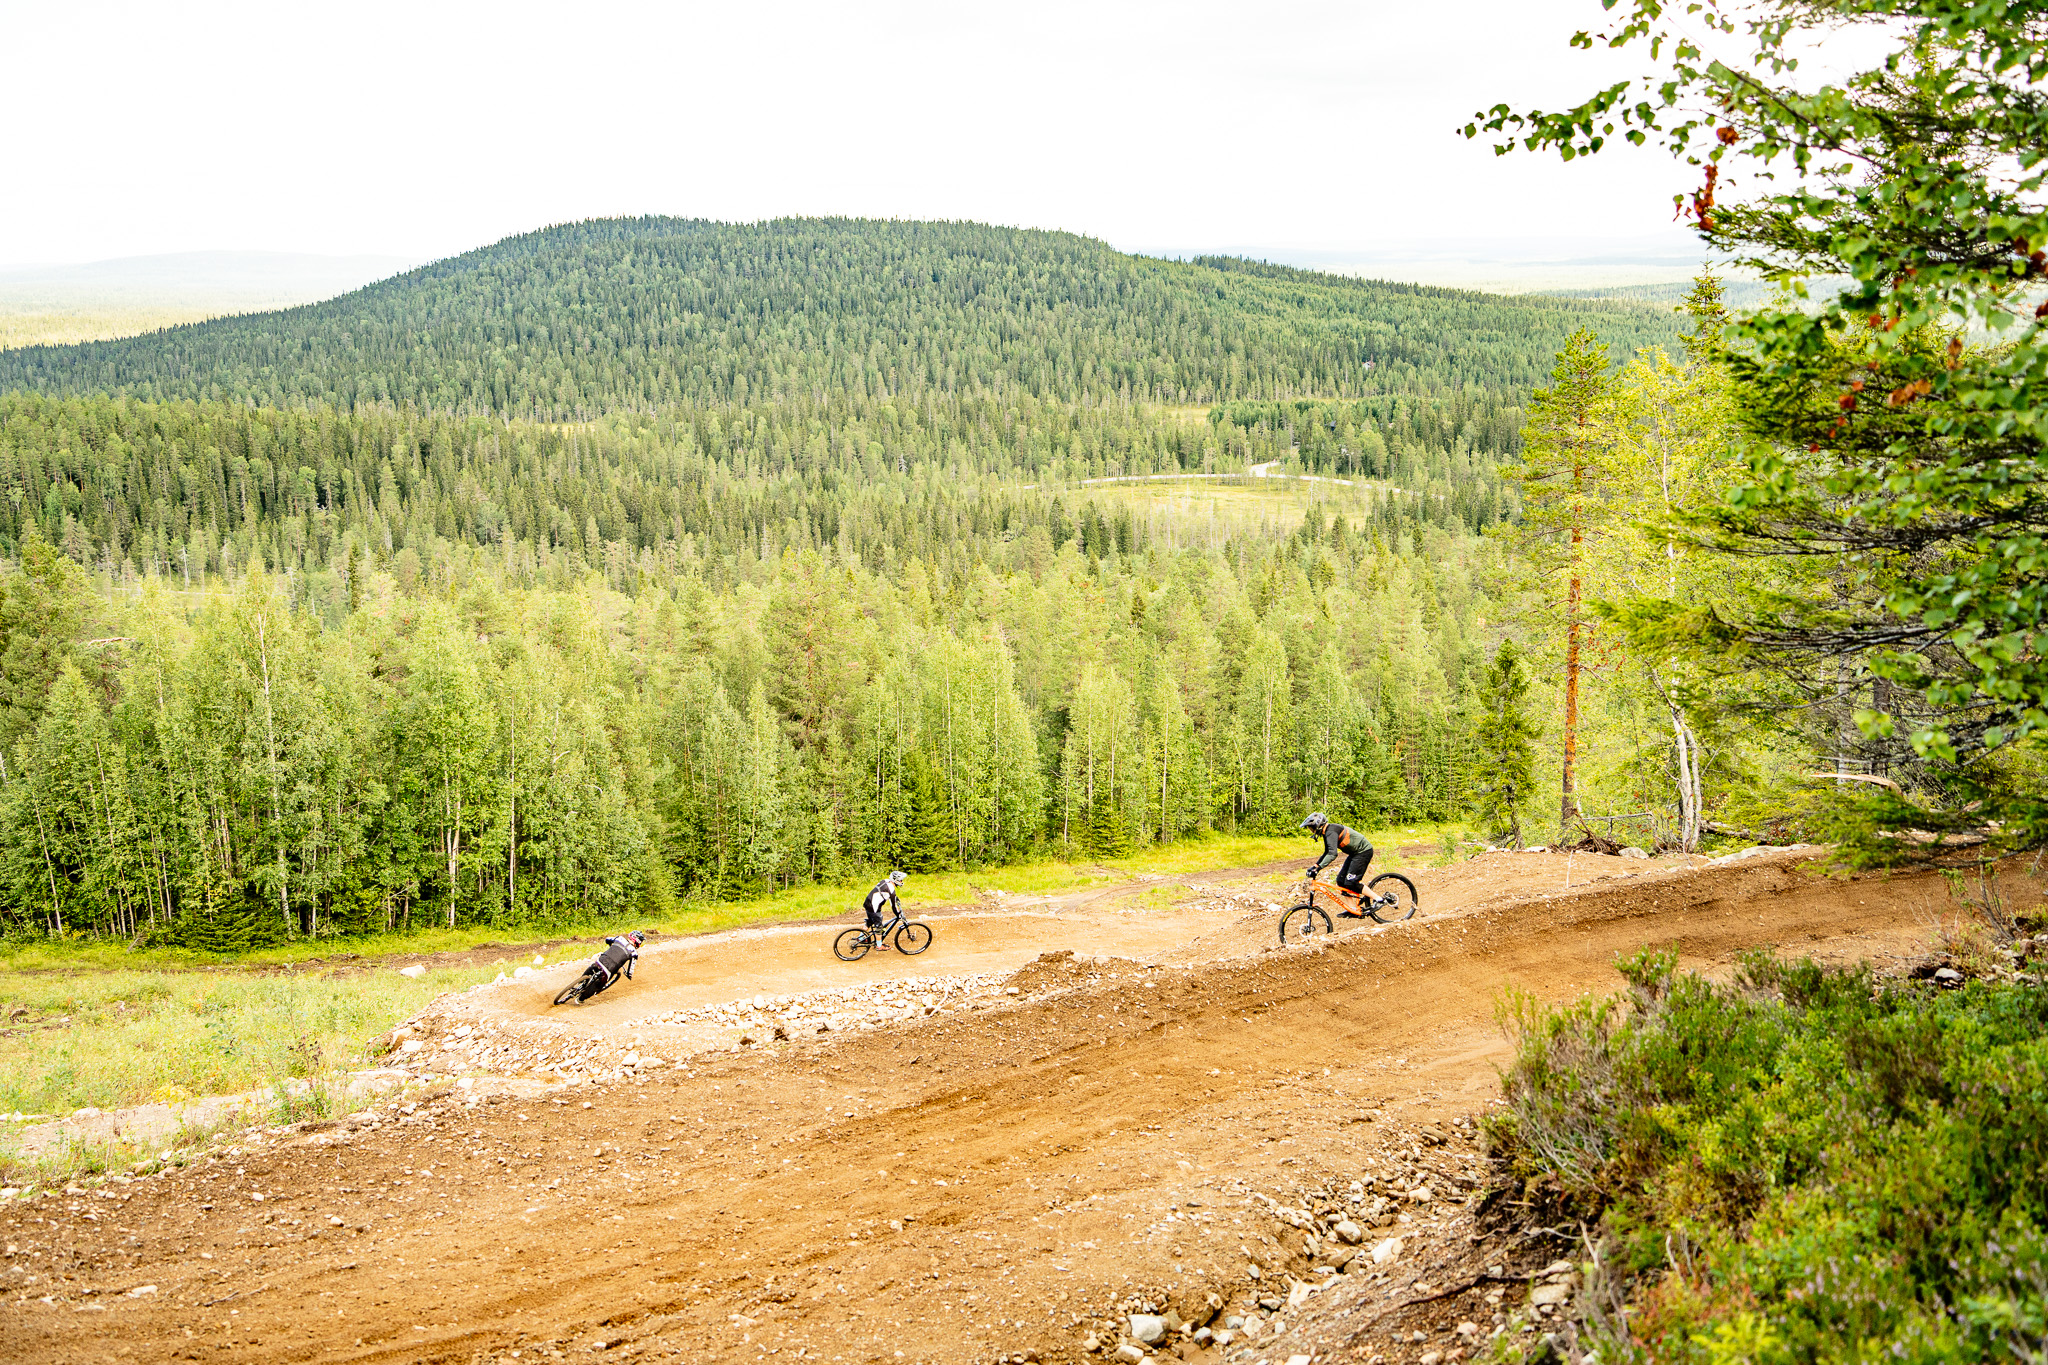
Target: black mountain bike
[(593, 980), (1390, 899), (853, 944)]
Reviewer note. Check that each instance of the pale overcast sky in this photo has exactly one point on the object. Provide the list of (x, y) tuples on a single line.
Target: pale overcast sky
[(424, 128)]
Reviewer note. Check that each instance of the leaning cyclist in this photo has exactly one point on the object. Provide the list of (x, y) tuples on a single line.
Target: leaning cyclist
[(1341, 841), (620, 953), (884, 894)]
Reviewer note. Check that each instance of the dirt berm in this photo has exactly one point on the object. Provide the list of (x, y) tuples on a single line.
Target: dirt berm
[(983, 1182)]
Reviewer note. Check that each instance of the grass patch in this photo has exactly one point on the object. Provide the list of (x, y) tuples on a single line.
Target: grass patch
[(108, 1040)]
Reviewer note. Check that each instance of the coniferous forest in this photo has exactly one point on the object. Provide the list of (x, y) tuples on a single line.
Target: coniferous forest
[(629, 561)]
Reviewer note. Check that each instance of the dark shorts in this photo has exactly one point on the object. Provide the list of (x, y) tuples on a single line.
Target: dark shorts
[(1352, 877)]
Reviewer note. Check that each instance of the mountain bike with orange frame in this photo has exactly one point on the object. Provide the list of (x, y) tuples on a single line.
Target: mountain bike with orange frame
[(1389, 898)]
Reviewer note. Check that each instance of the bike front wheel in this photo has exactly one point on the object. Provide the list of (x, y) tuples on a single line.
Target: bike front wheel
[(573, 992), (1305, 923), (1405, 902), (913, 939), (852, 945)]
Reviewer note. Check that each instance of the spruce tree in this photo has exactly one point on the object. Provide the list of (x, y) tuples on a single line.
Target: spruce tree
[(927, 838), (1500, 778), (1107, 835)]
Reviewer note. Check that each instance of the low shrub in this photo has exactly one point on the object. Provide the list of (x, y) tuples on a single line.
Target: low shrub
[(1803, 1164)]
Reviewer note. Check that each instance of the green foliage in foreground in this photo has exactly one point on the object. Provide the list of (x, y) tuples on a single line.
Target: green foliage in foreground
[(1800, 1161)]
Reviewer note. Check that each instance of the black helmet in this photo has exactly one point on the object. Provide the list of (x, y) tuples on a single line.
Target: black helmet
[(1316, 822), (898, 877)]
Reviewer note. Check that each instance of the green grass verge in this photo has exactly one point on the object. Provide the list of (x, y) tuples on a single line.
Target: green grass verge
[(113, 1039)]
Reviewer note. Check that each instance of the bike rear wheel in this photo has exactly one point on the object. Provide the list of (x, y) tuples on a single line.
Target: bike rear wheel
[(1406, 903), (913, 939), (852, 945), (1305, 923)]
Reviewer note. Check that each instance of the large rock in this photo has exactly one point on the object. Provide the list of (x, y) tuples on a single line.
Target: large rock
[(1386, 1251), (1147, 1328), (1348, 1232)]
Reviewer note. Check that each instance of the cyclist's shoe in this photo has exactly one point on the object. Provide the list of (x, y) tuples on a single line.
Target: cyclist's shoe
[(1351, 914)]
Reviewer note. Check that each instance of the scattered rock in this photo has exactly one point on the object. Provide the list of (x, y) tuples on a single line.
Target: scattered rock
[(1386, 1251), (1147, 1328), (1348, 1231), (1633, 852), (1948, 976), (1130, 1353), (415, 971)]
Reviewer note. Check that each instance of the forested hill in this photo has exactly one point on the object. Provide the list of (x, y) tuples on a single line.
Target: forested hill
[(322, 618), (584, 319)]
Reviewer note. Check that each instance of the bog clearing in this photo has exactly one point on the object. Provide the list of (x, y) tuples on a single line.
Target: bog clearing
[(1113, 1121)]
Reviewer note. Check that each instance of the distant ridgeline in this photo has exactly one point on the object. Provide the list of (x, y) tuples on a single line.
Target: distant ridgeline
[(644, 314), (694, 356), (645, 556)]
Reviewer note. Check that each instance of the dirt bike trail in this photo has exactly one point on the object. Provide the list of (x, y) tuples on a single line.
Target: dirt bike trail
[(974, 1184)]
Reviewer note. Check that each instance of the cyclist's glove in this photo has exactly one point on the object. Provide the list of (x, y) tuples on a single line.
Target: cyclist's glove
[(1311, 873)]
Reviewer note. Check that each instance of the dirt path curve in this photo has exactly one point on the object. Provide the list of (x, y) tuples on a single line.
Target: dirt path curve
[(941, 1191)]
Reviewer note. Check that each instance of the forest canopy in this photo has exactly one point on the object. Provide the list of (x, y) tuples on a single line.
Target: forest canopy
[(639, 315), (633, 560)]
